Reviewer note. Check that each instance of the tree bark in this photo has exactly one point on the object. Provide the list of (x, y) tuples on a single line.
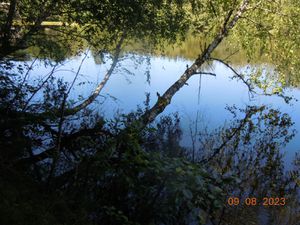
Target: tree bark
[(165, 99)]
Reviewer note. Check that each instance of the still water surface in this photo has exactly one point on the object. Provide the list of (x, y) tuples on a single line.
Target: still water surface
[(128, 86)]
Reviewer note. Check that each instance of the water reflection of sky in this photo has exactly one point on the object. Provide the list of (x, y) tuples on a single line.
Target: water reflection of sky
[(129, 90)]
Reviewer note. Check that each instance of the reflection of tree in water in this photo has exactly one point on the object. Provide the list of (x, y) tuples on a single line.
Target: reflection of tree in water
[(253, 154), (111, 172), (62, 164), (247, 154)]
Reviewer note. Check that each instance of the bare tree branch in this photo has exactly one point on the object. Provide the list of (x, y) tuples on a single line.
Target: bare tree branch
[(206, 73), (19, 90), (77, 73), (40, 87), (236, 73)]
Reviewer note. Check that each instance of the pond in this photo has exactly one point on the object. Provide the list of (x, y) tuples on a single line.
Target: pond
[(149, 112), (204, 98)]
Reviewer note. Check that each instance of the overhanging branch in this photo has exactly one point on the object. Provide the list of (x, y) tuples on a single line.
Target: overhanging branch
[(165, 99), (206, 73), (251, 90)]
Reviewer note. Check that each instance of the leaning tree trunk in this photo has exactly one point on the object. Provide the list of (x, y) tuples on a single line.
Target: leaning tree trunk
[(165, 99)]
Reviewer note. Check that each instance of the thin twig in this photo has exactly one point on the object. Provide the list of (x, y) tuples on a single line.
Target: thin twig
[(206, 73), (77, 73), (227, 57), (236, 73), (24, 80), (40, 87)]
